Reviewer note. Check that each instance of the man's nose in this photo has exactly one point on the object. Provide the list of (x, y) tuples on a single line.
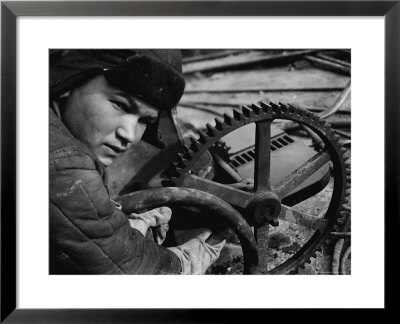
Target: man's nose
[(128, 130)]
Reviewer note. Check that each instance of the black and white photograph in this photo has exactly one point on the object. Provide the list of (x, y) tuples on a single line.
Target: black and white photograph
[(200, 161), (191, 161)]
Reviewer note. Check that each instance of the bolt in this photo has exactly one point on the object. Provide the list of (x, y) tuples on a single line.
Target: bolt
[(268, 211), (274, 222)]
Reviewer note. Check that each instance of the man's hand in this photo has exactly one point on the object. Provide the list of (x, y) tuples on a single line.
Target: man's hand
[(196, 255), (156, 218)]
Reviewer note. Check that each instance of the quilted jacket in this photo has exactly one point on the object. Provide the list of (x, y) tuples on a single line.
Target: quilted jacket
[(88, 234)]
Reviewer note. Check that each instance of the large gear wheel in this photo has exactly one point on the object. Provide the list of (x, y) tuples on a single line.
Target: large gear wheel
[(262, 205)]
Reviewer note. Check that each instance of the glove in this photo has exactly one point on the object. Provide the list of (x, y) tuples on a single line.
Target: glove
[(156, 218), (196, 255)]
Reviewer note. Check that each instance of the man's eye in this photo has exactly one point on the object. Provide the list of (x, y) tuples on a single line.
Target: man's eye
[(120, 105)]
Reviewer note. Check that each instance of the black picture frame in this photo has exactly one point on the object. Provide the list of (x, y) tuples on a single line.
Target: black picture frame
[(390, 10)]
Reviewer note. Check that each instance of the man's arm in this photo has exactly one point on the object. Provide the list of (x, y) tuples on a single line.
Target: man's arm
[(87, 227)]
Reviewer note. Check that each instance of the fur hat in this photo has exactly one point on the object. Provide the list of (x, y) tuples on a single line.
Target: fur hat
[(154, 75)]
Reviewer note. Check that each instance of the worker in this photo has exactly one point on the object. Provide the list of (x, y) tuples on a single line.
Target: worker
[(101, 102)]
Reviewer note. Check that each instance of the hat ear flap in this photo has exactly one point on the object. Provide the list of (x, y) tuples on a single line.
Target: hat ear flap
[(60, 88), (150, 136)]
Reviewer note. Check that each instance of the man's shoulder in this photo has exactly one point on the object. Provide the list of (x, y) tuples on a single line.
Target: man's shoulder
[(63, 146)]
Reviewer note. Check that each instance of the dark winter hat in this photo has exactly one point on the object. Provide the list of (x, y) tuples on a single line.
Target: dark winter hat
[(154, 76)]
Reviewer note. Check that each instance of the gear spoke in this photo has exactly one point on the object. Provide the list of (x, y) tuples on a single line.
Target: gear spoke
[(291, 215), (289, 183), (262, 238), (235, 197), (262, 161)]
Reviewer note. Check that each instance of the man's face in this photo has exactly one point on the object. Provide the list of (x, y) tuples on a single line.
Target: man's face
[(107, 119)]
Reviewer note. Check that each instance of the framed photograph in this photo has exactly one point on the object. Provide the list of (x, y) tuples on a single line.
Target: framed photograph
[(248, 69)]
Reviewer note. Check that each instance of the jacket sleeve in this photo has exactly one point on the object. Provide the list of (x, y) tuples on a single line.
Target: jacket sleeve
[(88, 229)]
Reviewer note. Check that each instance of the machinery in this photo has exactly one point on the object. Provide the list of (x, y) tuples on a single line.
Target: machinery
[(244, 173)]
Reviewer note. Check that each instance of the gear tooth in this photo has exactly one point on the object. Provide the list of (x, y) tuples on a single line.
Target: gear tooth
[(314, 254), (210, 130), (343, 150), (247, 111), (274, 107), (303, 113), (312, 116), (348, 185), (276, 111), (173, 173), (178, 164), (184, 157), (266, 107), (308, 113), (315, 117), (340, 220), (219, 124), (345, 208), (185, 148), (348, 192), (308, 261), (337, 227), (180, 171), (227, 119), (256, 109), (202, 137), (283, 106), (168, 172), (293, 108), (173, 181), (327, 125), (302, 266), (340, 142), (167, 183), (195, 144), (346, 200), (237, 115)]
